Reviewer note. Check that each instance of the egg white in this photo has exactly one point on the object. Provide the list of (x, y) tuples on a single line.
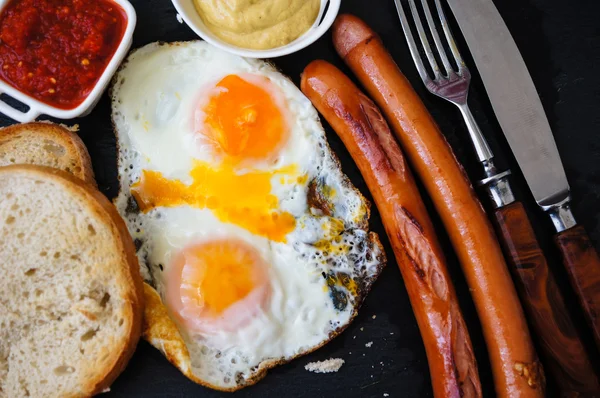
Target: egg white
[(299, 313), (159, 101), (154, 99)]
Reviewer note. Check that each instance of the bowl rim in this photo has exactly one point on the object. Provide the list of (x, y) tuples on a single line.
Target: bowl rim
[(37, 107), (322, 24)]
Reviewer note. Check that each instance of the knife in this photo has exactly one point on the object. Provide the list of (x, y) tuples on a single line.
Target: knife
[(521, 116), (565, 355)]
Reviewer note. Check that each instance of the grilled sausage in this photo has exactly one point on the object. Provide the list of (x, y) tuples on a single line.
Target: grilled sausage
[(369, 140), (515, 365)]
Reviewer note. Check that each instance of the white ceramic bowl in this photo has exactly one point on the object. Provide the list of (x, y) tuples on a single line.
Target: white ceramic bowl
[(188, 12), (37, 108)]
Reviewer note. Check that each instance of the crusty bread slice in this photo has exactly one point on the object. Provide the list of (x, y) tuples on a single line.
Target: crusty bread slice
[(71, 296), (46, 144)]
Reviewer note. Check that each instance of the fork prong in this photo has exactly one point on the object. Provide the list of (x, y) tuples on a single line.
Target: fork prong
[(450, 38), (412, 44), (436, 38), (423, 37)]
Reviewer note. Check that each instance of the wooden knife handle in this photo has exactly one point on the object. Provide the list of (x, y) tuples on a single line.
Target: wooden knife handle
[(583, 265), (564, 352)]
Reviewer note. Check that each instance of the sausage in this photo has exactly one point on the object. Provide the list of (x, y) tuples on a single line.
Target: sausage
[(516, 369), (366, 135)]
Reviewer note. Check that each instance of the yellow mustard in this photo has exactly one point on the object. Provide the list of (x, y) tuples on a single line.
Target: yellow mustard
[(258, 24)]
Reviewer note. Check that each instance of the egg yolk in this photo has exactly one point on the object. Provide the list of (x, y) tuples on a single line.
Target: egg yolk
[(217, 285), (243, 120), (244, 199)]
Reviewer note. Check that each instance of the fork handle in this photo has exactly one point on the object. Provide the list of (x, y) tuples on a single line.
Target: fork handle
[(482, 149), (564, 352)]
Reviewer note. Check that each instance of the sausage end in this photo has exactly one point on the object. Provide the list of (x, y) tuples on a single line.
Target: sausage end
[(309, 71), (348, 32)]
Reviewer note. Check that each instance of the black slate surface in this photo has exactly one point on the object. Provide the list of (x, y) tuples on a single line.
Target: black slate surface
[(560, 42)]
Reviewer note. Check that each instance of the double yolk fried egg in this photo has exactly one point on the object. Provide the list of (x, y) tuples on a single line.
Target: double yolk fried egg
[(256, 242)]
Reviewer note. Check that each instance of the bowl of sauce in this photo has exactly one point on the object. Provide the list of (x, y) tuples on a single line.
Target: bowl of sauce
[(259, 28), (57, 56)]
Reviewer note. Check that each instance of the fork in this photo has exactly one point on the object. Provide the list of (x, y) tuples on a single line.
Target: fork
[(452, 85), (537, 287)]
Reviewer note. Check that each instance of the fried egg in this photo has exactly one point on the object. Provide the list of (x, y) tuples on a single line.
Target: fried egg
[(256, 242)]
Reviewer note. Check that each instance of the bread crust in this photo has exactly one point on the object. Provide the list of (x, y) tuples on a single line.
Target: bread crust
[(68, 137), (133, 313)]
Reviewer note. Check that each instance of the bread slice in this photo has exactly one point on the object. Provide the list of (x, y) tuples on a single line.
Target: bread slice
[(46, 144), (71, 296)]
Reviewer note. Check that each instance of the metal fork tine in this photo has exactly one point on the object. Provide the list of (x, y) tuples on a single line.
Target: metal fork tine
[(412, 45), (449, 37), (436, 38), (424, 40), (454, 87)]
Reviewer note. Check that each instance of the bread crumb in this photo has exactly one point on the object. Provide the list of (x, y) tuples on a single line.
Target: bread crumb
[(385, 394), (179, 19), (374, 316), (74, 128), (327, 366), (361, 329), (369, 344)]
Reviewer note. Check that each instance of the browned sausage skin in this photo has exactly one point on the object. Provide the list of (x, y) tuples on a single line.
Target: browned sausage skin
[(517, 371), (369, 140)]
